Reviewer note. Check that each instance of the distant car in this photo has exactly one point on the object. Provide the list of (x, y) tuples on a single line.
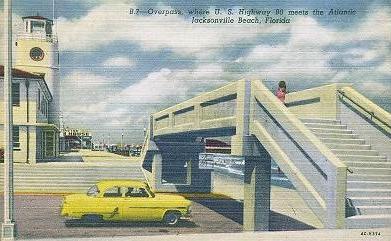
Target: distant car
[(125, 200)]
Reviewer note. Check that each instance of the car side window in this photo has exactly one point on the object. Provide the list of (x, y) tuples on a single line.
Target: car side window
[(113, 192), (136, 192)]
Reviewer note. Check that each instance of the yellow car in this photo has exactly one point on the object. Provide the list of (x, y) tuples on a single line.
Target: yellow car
[(125, 200)]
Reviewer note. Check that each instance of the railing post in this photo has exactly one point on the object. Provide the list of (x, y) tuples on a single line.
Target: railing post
[(336, 180), (171, 121), (239, 146), (198, 115)]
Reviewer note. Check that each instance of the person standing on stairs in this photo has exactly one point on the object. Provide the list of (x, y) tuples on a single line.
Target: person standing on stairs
[(281, 91)]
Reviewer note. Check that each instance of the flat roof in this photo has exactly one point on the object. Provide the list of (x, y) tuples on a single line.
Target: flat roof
[(37, 17), (17, 73)]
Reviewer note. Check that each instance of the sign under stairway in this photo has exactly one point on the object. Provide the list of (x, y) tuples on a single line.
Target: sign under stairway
[(369, 173), (68, 178)]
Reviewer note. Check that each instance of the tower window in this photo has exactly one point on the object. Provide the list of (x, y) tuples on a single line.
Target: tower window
[(15, 94), (36, 25)]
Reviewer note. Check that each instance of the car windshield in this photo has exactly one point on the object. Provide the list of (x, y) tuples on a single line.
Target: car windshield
[(93, 191)]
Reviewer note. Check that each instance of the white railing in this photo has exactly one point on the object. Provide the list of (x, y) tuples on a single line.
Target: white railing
[(38, 36)]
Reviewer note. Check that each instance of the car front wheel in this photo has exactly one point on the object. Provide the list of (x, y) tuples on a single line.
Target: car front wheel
[(171, 218)]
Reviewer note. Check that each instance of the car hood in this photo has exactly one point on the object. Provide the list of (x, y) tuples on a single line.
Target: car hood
[(74, 197)]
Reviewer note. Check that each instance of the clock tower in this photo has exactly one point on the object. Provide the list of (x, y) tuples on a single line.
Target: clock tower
[(37, 52)]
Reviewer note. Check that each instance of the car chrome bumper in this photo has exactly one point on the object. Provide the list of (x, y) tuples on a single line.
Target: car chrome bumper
[(186, 217)]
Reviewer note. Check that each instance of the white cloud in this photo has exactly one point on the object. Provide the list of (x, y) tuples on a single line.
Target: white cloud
[(301, 56), (82, 79), (311, 48), (112, 22), (372, 88), (118, 62)]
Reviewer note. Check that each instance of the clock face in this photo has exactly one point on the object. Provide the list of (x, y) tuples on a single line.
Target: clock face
[(37, 54)]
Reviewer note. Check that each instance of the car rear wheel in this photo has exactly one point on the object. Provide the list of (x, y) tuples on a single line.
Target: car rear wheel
[(171, 218)]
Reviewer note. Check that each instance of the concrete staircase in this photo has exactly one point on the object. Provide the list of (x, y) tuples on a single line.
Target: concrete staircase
[(368, 178), (67, 177)]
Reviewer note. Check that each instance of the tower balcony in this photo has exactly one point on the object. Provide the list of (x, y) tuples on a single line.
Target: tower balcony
[(38, 36)]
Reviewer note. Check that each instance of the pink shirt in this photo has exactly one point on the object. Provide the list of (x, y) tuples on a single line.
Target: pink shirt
[(281, 95)]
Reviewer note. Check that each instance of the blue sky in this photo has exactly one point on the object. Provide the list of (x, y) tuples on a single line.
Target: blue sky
[(116, 69)]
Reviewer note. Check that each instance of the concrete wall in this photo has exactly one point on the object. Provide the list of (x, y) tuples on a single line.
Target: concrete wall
[(319, 102), (228, 185), (215, 109), (362, 123)]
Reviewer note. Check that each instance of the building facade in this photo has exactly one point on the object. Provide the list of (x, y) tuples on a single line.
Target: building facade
[(75, 139), (34, 137)]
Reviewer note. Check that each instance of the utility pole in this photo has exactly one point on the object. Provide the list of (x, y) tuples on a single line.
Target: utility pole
[(122, 140), (8, 225)]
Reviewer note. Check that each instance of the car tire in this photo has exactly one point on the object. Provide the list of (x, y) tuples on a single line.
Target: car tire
[(171, 218), (92, 218)]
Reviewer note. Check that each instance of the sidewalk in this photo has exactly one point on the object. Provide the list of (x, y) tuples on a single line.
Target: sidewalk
[(320, 234), (104, 156)]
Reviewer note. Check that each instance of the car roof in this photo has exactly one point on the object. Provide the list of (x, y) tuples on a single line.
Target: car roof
[(104, 184)]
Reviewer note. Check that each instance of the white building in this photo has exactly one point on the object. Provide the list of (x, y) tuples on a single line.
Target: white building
[(36, 93), (34, 138)]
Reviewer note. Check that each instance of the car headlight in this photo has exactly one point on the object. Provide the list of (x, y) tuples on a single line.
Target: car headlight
[(188, 210)]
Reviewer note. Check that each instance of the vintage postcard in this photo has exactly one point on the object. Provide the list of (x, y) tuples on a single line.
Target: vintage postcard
[(195, 120)]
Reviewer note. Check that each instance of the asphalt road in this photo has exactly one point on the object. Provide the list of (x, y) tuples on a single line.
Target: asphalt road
[(38, 216)]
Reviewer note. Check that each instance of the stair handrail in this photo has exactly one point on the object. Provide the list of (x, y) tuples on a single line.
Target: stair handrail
[(371, 108), (335, 169)]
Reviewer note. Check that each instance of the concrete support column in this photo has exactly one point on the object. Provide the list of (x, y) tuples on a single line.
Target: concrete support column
[(257, 178)]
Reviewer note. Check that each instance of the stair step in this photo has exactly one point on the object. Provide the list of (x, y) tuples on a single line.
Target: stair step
[(363, 177), (342, 141), (359, 192), (353, 158), (317, 131), (348, 146), (355, 152), (369, 164), (319, 120), (374, 210), (326, 126), (335, 135), (371, 201), (369, 184), (368, 221), (370, 170)]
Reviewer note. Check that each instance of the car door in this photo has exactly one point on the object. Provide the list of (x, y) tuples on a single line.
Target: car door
[(109, 203), (138, 205)]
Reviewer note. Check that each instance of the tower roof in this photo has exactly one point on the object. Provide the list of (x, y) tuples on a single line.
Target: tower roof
[(37, 17)]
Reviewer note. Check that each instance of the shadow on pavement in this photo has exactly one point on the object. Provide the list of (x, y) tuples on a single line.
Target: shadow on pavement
[(233, 210), (64, 158), (81, 223)]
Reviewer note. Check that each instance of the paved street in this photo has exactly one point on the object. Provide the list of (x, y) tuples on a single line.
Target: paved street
[(38, 216)]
